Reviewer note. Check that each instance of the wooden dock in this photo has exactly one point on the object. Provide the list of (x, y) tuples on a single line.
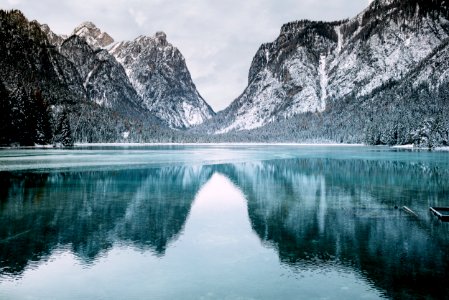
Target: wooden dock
[(441, 212)]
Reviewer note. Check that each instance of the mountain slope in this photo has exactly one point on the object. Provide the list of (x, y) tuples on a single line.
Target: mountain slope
[(33, 77), (412, 110), (286, 77), (313, 66), (158, 72), (47, 96), (104, 79)]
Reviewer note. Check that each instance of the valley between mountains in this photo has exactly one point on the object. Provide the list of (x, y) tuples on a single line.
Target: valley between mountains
[(380, 78)]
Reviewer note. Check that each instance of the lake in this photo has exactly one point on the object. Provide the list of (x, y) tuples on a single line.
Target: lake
[(223, 222)]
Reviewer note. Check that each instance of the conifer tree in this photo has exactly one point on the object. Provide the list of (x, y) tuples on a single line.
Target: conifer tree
[(5, 116), (63, 131)]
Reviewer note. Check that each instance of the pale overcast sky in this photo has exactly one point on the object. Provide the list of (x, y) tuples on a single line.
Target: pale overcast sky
[(217, 38)]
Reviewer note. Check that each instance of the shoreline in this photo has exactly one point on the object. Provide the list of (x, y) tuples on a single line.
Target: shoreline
[(131, 145), (86, 145), (214, 144)]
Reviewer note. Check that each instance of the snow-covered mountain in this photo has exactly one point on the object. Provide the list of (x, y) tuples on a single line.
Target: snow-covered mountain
[(156, 75), (148, 73), (313, 66), (158, 72)]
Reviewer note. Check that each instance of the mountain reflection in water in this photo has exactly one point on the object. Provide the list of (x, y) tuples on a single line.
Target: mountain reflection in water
[(316, 214)]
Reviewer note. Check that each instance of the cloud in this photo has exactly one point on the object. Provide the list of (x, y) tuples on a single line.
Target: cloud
[(139, 17), (217, 38)]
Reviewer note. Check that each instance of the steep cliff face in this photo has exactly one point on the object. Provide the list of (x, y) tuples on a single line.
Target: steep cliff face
[(287, 77), (313, 65), (158, 72), (384, 43)]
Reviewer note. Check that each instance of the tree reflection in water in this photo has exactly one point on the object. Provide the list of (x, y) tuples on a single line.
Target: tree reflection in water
[(314, 212)]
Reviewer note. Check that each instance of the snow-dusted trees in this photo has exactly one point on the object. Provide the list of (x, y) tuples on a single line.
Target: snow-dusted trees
[(63, 131), (42, 118), (5, 116), (431, 133)]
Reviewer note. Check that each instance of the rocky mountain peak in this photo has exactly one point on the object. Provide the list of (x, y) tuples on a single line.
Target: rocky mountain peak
[(93, 35), (52, 37), (161, 38), (382, 2)]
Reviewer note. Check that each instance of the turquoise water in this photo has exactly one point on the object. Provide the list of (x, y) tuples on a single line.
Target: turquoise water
[(223, 222)]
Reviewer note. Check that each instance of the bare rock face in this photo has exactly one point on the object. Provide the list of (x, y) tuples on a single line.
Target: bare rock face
[(93, 35), (104, 39), (158, 72), (161, 38)]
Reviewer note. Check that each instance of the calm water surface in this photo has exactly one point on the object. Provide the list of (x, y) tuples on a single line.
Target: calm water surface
[(223, 222)]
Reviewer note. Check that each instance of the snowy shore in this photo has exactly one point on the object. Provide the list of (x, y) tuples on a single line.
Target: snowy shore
[(412, 147), (213, 144)]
